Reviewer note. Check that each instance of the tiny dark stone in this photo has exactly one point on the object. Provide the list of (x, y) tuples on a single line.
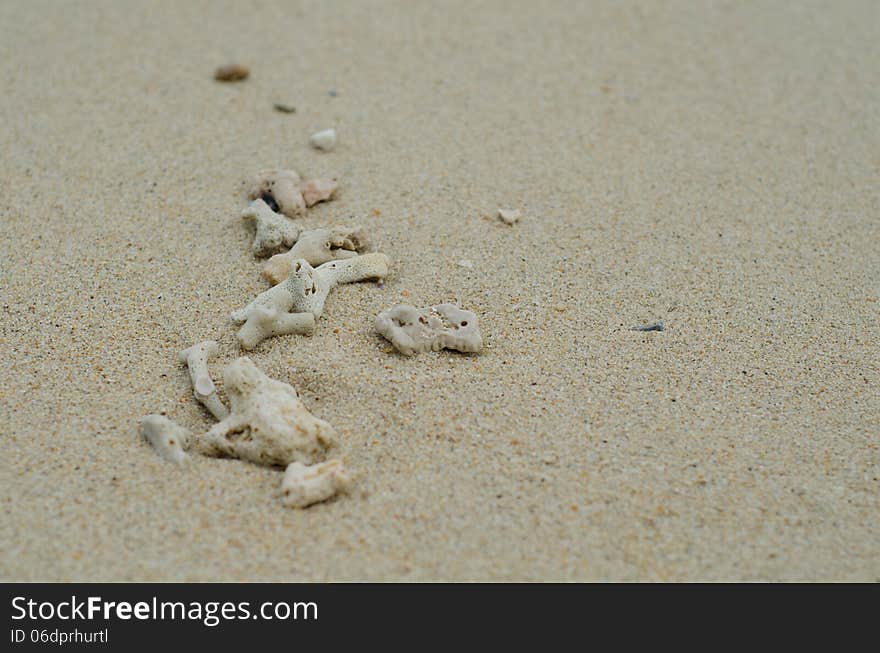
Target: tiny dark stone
[(657, 326), (284, 108)]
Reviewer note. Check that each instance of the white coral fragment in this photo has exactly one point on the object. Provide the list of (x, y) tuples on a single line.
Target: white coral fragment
[(323, 140), (265, 322), (509, 216), (272, 231), (168, 438), (444, 326), (286, 192), (306, 288), (196, 359), (317, 246), (268, 423), (304, 485)]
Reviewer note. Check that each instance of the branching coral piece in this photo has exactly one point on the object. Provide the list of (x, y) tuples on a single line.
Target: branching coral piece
[(168, 438), (306, 289), (317, 246), (303, 485), (268, 424), (413, 331), (273, 232), (196, 359), (264, 322), (284, 191)]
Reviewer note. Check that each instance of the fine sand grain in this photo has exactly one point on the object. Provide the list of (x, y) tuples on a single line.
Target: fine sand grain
[(714, 166)]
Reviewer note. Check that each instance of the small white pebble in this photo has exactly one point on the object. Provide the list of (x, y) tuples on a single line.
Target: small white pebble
[(509, 216), (323, 140), (465, 263)]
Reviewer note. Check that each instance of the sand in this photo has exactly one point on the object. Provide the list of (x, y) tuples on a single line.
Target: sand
[(712, 165)]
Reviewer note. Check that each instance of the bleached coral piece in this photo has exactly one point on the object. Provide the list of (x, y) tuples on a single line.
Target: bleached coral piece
[(318, 190), (317, 246), (196, 359), (323, 140), (304, 485), (268, 423), (286, 192), (444, 326), (265, 322), (272, 231), (168, 438), (306, 288), (280, 189)]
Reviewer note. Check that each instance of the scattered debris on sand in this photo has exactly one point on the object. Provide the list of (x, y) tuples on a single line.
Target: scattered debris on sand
[(266, 422)]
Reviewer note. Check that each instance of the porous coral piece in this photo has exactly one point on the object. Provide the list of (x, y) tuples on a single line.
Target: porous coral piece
[(304, 485), (168, 438), (272, 231), (444, 326), (306, 288), (280, 189), (317, 246), (264, 322), (196, 359), (318, 190), (268, 423)]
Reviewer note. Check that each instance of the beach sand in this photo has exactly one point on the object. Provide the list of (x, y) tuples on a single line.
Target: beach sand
[(715, 166)]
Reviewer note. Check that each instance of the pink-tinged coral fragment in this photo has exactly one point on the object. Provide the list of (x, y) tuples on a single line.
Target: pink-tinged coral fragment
[(305, 485), (279, 189), (318, 190)]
